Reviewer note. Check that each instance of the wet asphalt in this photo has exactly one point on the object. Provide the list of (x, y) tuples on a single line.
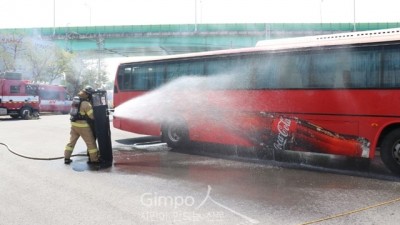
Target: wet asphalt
[(202, 184)]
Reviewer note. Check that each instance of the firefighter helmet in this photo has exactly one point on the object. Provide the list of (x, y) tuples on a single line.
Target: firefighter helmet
[(88, 89)]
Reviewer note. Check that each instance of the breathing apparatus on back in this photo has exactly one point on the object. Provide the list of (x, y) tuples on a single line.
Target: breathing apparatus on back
[(84, 95), (76, 103)]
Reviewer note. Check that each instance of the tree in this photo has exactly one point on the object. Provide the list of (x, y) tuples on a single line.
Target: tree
[(10, 48), (94, 73), (85, 72), (43, 61), (59, 66), (74, 74)]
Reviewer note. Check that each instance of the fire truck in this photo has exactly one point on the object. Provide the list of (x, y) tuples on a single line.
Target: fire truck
[(18, 98), (54, 98)]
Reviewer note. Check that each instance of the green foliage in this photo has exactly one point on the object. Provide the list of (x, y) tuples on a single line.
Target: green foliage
[(44, 62)]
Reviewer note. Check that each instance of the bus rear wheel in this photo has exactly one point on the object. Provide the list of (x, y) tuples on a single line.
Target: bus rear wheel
[(390, 151), (175, 133)]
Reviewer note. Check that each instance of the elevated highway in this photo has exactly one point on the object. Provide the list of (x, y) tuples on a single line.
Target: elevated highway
[(143, 40)]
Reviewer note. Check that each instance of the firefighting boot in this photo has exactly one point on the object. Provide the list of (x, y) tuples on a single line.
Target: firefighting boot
[(93, 158), (67, 156)]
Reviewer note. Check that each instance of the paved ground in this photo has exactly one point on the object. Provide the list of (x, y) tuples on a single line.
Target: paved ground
[(149, 184)]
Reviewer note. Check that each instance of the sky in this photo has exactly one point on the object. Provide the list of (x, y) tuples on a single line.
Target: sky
[(64, 13)]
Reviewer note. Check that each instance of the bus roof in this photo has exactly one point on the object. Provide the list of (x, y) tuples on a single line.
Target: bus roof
[(372, 36), (350, 38)]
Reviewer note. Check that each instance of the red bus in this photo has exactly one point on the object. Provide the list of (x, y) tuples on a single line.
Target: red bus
[(333, 94), (54, 98)]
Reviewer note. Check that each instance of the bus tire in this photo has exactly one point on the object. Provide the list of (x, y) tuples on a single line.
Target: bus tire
[(390, 151), (175, 133), (26, 113)]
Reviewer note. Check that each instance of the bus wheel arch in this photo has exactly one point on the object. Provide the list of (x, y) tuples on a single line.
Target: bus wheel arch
[(175, 132), (390, 150), (385, 131)]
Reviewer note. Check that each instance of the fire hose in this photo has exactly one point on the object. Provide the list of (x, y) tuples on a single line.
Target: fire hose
[(36, 158)]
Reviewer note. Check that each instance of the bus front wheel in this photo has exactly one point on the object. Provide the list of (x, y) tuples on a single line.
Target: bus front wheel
[(390, 151), (175, 133)]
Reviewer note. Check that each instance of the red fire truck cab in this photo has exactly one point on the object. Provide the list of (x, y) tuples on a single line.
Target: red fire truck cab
[(19, 98)]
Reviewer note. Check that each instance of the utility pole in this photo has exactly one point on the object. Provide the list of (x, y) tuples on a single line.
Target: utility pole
[(195, 15), (354, 15), (90, 13), (320, 11), (54, 17)]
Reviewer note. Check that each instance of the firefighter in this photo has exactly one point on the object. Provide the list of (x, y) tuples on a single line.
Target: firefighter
[(80, 127)]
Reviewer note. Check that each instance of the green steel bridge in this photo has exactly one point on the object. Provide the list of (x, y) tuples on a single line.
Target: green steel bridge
[(144, 40)]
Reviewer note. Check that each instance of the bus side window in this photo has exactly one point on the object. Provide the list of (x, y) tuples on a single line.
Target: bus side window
[(266, 73), (391, 68), (346, 79), (303, 63), (365, 68), (159, 75), (172, 71), (124, 78), (151, 79), (216, 67), (342, 69), (120, 76), (221, 73), (196, 68), (289, 73), (322, 74), (244, 73), (183, 69), (343, 80), (140, 78)]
